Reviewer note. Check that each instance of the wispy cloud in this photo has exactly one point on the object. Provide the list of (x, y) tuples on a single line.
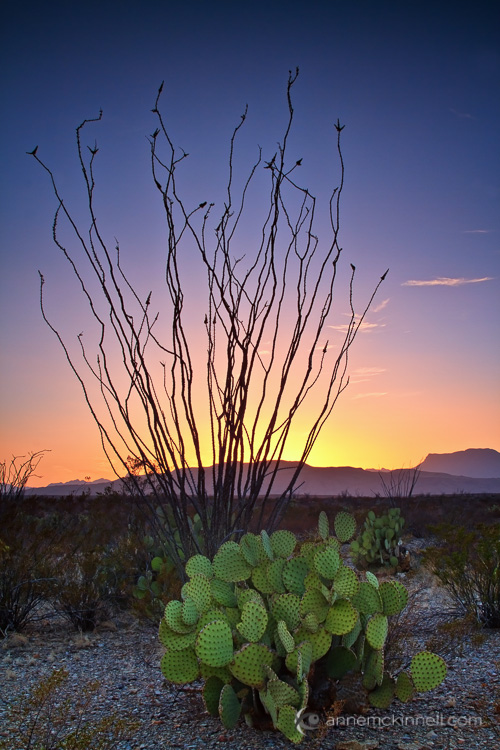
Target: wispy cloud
[(476, 231), (381, 307), (462, 115), (445, 281), (365, 327), (364, 374), (369, 395)]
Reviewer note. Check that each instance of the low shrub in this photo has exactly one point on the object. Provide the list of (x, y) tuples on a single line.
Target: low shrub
[(467, 562), (47, 720)]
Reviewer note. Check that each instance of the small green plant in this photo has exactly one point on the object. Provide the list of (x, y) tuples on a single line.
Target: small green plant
[(379, 540), (47, 720), (467, 562), (269, 622)]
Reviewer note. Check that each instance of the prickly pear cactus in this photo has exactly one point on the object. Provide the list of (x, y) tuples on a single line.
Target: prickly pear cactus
[(268, 614), (379, 539)]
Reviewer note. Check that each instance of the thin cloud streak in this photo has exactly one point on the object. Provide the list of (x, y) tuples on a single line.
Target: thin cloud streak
[(382, 306), (476, 231), (369, 395), (365, 327), (445, 281)]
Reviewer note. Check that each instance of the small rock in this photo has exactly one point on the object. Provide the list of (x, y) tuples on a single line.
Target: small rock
[(107, 625), (355, 745)]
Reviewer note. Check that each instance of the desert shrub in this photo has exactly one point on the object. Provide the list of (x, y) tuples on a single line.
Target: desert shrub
[(46, 719), (451, 637), (275, 627), (467, 562), (378, 542)]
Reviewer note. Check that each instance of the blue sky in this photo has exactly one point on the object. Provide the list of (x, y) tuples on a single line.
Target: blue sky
[(416, 85)]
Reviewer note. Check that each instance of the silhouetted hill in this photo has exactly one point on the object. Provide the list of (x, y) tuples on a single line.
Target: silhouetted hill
[(480, 463)]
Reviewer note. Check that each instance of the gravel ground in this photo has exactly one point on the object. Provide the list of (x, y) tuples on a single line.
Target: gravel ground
[(123, 656)]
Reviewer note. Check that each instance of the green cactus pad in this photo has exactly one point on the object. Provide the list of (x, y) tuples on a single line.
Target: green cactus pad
[(287, 717), (298, 661), (229, 563), (222, 673), (250, 546), (303, 691), (372, 578), (245, 595), (175, 641), (313, 601), (212, 614), (266, 543), (174, 619), (345, 526), (391, 598), (211, 694), (199, 565), (294, 572), (327, 562), (427, 671), (341, 618), (405, 688), (223, 592), (320, 641), (190, 614), (198, 589), (229, 707), (269, 704), (214, 645), (283, 693), (248, 664), (346, 583), (283, 543), (367, 600), (340, 661), (286, 607), (275, 575), (261, 580), (374, 669), (312, 579), (403, 594), (349, 639), (376, 630), (253, 621), (180, 667), (310, 622), (382, 696), (285, 637), (323, 526)]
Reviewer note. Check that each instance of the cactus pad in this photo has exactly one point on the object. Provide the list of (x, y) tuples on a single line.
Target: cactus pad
[(283, 543), (427, 671), (285, 637), (223, 592), (405, 688), (323, 526), (211, 694), (266, 543), (199, 564), (340, 661), (190, 614), (253, 621), (174, 619), (229, 563), (175, 641), (283, 693), (287, 719), (294, 572), (327, 562), (372, 578), (180, 667), (214, 645), (314, 602), (381, 697), (299, 660), (346, 583), (341, 618), (248, 664), (261, 580), (367, 600), (275, 575), (376, 630), (345, 526), (198, 589), (391, 598), (250, 546), (229, 707), (287, 607)]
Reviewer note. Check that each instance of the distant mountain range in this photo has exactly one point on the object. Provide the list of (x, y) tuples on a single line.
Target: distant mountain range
[(472, 471)]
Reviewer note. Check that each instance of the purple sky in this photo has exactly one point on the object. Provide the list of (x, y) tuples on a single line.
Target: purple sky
[(416, 85)]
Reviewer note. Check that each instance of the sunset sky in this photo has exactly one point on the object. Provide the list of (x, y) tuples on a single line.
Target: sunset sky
[(416, 85)]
